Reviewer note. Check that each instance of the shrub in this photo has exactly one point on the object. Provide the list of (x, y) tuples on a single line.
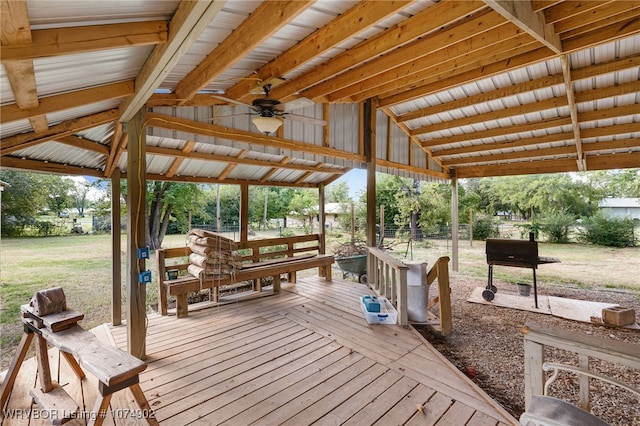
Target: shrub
[(610, 232), (556, 226), (484, 227)]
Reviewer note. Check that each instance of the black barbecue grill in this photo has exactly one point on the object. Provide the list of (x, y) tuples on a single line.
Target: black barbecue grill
[(515, 253)]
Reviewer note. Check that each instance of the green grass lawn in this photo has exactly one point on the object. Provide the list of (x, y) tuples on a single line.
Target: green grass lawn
[(81, 264)]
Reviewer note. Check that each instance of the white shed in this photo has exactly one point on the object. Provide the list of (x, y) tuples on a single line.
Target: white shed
[(621, 207)]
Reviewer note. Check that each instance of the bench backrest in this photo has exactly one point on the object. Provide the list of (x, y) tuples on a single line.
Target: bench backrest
[(272, 248), (253, 251)]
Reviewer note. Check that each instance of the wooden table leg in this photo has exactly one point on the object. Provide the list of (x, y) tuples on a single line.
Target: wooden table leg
[(147, 412), (100, 409), (44, 370), (73, 364), (12, 373)]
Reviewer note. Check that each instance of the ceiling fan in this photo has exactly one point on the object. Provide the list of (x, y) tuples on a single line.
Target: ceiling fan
[(267, 112)]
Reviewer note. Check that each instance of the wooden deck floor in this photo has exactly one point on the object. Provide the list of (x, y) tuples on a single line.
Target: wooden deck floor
[(304, 356)]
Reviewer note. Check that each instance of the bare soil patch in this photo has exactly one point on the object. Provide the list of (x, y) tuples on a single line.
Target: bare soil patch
[(487, 344)]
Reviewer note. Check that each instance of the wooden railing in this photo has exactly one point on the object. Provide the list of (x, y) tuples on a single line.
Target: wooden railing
[(387, 277), (440, 272), (536, 337)]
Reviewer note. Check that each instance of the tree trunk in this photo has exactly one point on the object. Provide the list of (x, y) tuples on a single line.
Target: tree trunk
[(158, 221)]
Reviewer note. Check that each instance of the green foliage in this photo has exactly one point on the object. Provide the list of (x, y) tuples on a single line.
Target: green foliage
[(610, 232), (484, 227), (556, 226), (338, 192)]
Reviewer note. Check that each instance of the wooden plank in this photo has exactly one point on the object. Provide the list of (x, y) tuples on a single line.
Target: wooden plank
[(268, 393), (408, 407), (377, 408), (337, 396), (432, 410), (305, 395), (226, 380), (57, 403), (459, 414), (349, 407), (70, 40), (481, 419), (108, 364)]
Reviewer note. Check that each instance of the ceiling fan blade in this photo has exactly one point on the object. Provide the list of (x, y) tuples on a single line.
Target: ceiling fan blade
[(231, 101), (297, 104), (222, 117), (304, 119)]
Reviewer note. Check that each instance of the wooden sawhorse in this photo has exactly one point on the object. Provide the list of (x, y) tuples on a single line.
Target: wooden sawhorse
[(115, 369)]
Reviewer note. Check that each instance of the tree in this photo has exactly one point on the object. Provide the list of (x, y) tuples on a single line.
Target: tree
[(338, 193), (304, 204), (166, 201)]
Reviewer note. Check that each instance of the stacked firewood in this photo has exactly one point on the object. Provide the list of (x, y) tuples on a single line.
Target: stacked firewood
[(213, 256)]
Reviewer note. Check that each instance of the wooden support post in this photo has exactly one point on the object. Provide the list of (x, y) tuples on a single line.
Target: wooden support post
[(369, 140), (100, 409), (116, 246), (321, 227), (136, 235), (244, 212), (370, 154), (454, 223), (585, 400)]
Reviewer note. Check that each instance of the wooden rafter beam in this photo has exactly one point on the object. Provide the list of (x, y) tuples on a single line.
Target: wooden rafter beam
[(170, 99), (49, 167), (568, 9), (432, 18), (265, 20), (189, 21), (360, 17), (413, 169), (573, 112), (177, 161), (412, 140), (521, 14), (85, 144), (68, 100), (502, 92), (499, 131), (190, 126), (498, 157), (595, 132), (70, 40), (517, 143), (448, 42), (16, 31), (115, 149), (202, 179), (610, 33), (594, 162), (542, 105), (459, 48), (240, 159), (469, 76), (24, 140), (439, 71), (603, 16)]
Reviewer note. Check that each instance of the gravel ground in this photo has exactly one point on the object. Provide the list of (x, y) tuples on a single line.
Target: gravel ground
[(487, 344)]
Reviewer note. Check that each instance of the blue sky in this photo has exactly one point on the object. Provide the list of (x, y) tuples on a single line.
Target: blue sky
[(356, 179)]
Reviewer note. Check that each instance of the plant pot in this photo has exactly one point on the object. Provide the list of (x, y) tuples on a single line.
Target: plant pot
[(524, 289)]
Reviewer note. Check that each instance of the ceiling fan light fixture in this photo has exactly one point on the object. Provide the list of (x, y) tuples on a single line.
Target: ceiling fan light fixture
[(267, 125)]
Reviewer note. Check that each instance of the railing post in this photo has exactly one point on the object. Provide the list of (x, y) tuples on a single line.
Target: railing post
[(403, 315), (585, 401), (533, 373), (444, 293)]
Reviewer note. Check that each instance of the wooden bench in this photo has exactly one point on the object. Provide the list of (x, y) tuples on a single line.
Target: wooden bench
[(260, 259)]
